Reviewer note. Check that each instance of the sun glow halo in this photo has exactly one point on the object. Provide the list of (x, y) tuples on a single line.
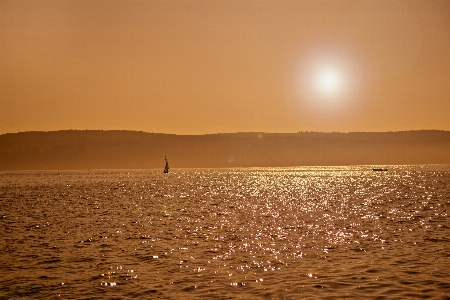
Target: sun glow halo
[(328, 81)]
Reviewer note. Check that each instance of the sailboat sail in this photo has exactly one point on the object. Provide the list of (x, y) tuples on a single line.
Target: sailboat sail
[(166, 168)]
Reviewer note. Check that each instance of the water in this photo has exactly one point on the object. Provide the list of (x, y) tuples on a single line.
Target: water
[(269, 233)]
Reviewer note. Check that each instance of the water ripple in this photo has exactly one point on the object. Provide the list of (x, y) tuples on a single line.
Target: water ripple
[(316, 232)]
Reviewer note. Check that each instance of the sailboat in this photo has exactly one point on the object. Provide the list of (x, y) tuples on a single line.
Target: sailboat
[(166, 168)]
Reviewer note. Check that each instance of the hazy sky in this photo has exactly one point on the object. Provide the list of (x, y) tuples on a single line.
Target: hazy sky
[(195, 67)]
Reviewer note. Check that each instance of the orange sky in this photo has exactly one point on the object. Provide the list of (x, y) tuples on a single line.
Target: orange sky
[(196, 67)]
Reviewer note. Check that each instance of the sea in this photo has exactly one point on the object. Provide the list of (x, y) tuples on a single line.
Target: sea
[(243, 233)]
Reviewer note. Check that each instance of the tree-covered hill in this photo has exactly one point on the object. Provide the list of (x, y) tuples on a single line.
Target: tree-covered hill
[(96, 149)]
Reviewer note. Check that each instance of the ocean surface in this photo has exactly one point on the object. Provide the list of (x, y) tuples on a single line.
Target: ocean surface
[(259, 233)]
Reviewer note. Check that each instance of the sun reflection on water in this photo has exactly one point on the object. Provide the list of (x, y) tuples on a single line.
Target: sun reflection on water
[(254, 228)]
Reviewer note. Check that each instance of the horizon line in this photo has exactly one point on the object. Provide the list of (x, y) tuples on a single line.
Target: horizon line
[(219, 133)]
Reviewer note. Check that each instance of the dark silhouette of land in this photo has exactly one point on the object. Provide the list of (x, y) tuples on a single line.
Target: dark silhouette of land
[(97, 149)]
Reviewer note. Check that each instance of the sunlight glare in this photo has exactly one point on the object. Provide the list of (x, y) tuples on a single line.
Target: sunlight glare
[(328, 81)]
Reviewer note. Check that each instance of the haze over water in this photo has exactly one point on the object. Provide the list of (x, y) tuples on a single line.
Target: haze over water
[(272, 233)]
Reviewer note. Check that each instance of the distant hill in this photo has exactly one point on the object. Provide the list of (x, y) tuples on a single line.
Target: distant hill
[(96, 149)]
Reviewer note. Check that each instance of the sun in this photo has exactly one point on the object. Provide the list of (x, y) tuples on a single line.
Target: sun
[(328, 81)]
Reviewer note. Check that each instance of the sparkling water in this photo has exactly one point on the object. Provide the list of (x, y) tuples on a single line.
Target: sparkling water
[(262, 233)]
